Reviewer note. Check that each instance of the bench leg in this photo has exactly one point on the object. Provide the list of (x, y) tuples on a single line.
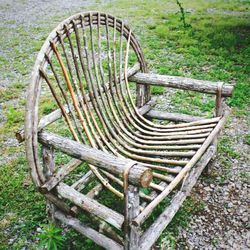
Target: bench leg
[(132, 241), (48, 168), (208, 168)]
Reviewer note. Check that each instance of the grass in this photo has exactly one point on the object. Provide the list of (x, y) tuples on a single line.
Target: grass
[(215, 47), (157, 90)]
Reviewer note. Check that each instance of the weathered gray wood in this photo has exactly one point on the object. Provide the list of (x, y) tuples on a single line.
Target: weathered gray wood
[(61, 173), (155, 230), (90, 205), (104, 227), (95, 191), (175, 117), (48, 161), (91, 194), (59, 203), (133, 211), (81, 183), (92, 234), (147, 107), (138, 175), (109, 231), (181, 82), (48, 169)]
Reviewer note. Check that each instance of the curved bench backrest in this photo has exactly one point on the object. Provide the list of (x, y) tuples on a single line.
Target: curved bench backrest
[(83, 61)]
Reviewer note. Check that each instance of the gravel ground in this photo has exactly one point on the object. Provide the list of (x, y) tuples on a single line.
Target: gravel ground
[(224, 222)]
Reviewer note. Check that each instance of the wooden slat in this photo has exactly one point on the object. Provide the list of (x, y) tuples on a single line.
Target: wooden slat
[(57, 114), (148, 210), (80, 184), (175, 117), (147, 107), (166, 178)]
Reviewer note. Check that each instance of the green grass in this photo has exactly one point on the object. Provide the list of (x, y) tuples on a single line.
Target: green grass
[(157, 90), (247, 139), (215, 47)]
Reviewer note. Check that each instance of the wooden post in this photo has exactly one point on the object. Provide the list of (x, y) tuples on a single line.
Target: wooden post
[(132, 242), (219, 100), (219, 110), (48, 168), (142, 94)]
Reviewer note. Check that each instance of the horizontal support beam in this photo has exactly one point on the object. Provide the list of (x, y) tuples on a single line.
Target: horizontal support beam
[(61, 173), (147, 107), (90, 205), (175, 117), (181, 83), (138, 174), (155, 230), (82, 182), (44, 122), (92, 234), (59, 203)]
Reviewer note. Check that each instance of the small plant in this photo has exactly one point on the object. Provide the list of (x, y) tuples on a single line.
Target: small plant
[(51, 237), (247, 139), (185, 25), (13, 116), (168, 241)]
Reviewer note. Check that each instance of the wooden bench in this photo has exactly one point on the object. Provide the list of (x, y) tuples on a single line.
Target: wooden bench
[(86, 66)]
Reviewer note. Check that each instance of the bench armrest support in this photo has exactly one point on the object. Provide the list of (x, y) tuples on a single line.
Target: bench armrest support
[(138, 174), (181, 83)]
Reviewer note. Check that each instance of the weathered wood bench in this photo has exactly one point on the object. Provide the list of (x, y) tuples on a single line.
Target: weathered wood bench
[(87, 64)]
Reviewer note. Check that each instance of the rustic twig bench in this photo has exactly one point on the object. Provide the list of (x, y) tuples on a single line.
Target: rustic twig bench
[(87, 63)]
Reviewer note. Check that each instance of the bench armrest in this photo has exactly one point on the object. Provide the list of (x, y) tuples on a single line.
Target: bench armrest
[(182, 83), (138, 174)]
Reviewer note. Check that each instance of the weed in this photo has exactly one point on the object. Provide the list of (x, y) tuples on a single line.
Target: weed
[(245, 176), (247, 139), (48, 105), (51, 237), (183, 18), (13, 116), (225, 146)]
